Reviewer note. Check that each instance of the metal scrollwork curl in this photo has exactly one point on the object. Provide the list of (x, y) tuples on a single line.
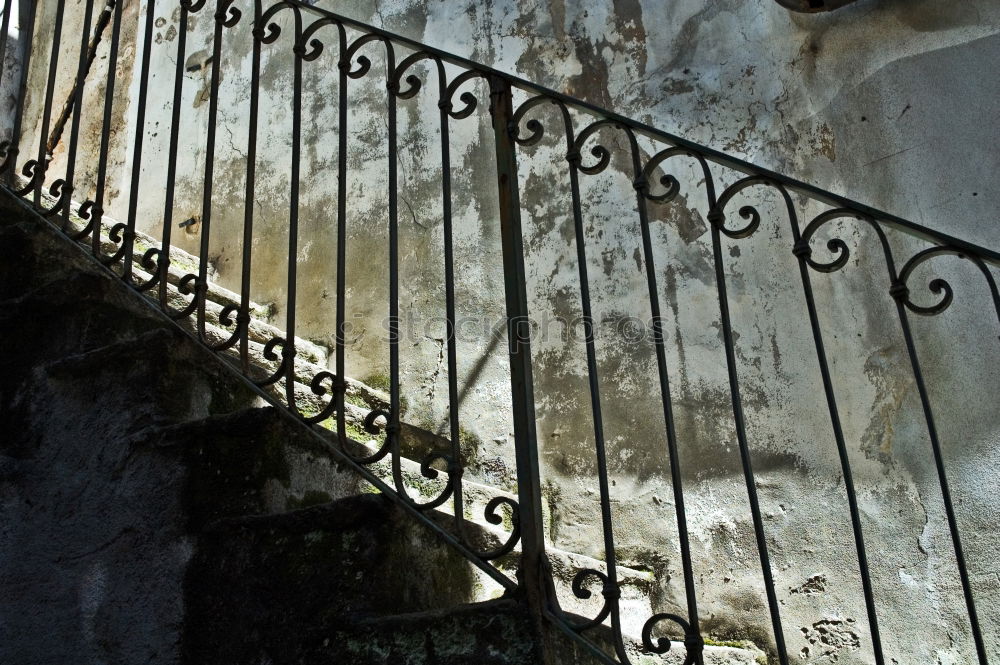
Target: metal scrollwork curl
[(89, 212), (370, 426), (318, 389), (272, 31), (535, 128), (315, 46), (936, 286), (226, 320), (603, 157), (314, 50), (692, 640), (493, 516), (364, 64), (454, 472), (370, 423), (583, 593), (269, 354), (941, 287), (746, 212), (34, 173), (61, 191), (228, 15), (150, 262), (187, 286), (412, 80), (467, 98), (115, 235), (599, 152), (671, 186), (717, 216), (266, 34), (837, 247), (193, 6)]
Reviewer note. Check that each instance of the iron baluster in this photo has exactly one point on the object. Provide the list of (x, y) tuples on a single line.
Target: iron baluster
[(226, 16), (97, 211), (899, 293), (11, 147), (250, 190), (35, 169), (610, 589), (393, 421), (532, 574), (455, 464), (692, 628), (801, 251), (63, 187), (716, 219), (65, 192), (163, 254), (343, 67), (140, 123)]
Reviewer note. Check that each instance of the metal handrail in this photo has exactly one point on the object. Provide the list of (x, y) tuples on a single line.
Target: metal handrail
[(515, 130), (644, 129)]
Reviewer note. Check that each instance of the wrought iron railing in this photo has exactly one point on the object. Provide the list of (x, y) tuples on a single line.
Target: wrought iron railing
[(523, 117)]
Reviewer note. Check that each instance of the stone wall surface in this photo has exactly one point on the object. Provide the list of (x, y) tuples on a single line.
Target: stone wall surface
[(891, 102)]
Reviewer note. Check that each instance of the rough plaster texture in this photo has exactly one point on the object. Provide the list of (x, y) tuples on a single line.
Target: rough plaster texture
[(891, 102)]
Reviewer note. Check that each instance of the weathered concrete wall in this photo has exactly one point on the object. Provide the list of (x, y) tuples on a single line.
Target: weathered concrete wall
[(891, 102)]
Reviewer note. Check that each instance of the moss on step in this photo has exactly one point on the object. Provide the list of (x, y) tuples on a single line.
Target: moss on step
[(379, 381), (382, 381), (746, 645)]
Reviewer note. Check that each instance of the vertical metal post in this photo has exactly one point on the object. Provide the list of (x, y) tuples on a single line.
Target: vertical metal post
[(26, 29), (7, 9), (532, 576)]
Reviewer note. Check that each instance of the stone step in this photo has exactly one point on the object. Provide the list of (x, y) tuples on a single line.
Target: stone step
[(495, 632), (259, 331), (252, 462), (257, 462), (270, 579), (183, 263), (744, 653)]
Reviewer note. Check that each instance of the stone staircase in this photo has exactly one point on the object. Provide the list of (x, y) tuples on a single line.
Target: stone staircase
[(149, 477)]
